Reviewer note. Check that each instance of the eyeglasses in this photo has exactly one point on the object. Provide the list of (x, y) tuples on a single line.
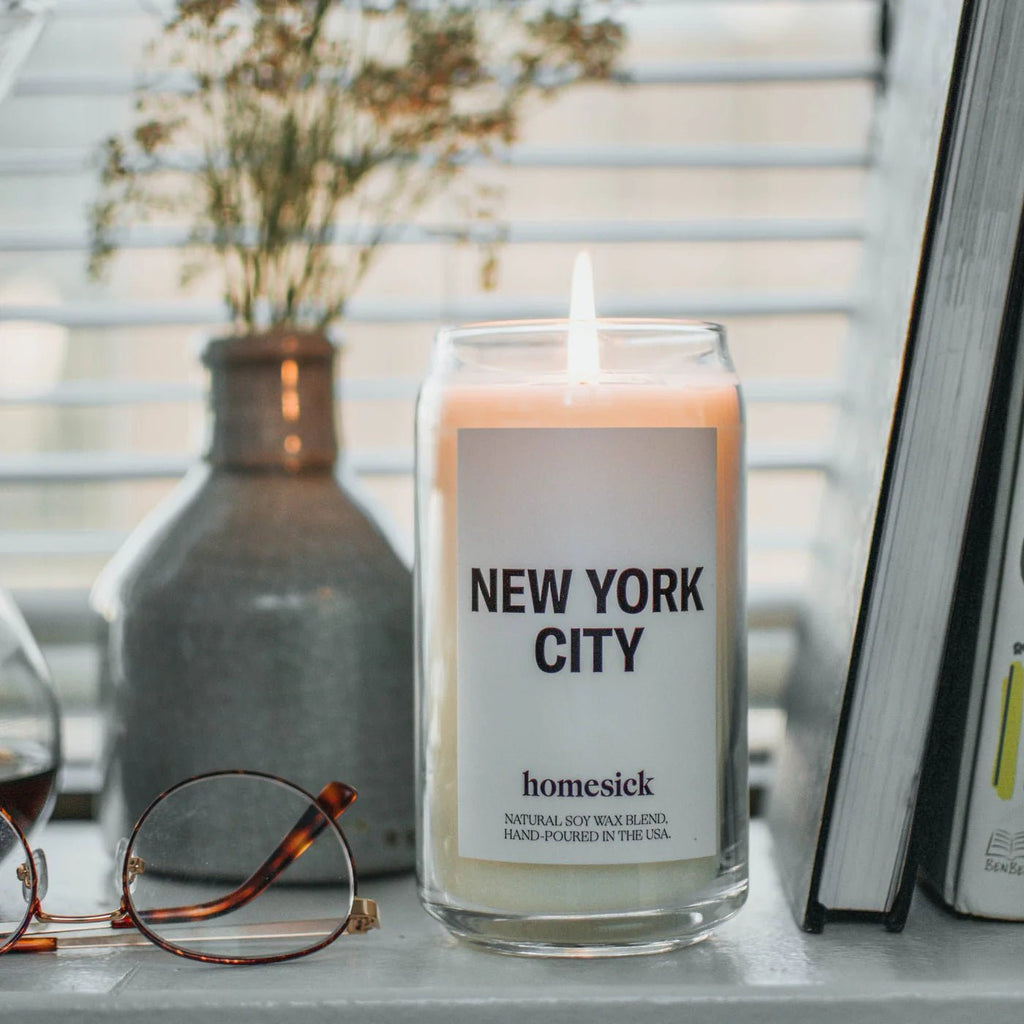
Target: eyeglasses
[(230, 868)]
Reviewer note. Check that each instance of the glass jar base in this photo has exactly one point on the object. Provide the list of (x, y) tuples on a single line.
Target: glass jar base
[(590, 935)]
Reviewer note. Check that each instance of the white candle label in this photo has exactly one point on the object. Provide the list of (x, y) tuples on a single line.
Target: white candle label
[(587, 645)]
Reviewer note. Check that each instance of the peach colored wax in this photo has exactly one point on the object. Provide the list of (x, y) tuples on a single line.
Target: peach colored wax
[(650, 400)]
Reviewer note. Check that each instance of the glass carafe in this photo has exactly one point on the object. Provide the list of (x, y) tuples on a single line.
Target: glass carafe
[(29, 723)]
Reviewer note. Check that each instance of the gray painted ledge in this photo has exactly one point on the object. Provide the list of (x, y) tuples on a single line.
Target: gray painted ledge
[(758, 968)]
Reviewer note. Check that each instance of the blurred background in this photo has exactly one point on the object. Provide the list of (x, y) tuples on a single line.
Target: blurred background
[(722, 177)]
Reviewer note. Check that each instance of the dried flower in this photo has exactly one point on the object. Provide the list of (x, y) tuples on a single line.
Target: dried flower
[(308, 114)]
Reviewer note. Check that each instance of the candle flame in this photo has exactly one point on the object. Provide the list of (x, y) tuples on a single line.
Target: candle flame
[(583, 358)]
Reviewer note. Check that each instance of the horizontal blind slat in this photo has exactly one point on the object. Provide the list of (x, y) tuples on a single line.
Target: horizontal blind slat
[(161, 8), (639, 157), (73, 467), (36, 162), (617, 232), (114, 467), (110, 314), (59, 543), (741, 71), (102, 393), (744, 70)]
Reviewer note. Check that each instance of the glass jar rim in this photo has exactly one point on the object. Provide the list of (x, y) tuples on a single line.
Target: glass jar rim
[(647, 330)]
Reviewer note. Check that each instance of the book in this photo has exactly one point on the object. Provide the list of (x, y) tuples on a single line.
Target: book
[(929, 371), (970, 831)]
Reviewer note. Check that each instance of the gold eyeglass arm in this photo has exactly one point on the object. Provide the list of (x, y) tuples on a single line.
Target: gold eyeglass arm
[(364, 917)]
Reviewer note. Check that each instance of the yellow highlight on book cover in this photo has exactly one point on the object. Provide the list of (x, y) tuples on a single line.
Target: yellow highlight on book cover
[(1004, 770)]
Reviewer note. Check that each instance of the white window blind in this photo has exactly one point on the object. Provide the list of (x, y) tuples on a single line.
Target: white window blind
[(721, 177)]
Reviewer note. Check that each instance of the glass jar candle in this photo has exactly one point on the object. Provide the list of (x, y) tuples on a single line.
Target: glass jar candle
[(581, 644)]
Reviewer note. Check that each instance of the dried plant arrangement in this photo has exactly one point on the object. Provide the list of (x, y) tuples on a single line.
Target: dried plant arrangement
[(294, 136)]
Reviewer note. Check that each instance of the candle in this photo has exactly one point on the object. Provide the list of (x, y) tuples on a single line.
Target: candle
[(580, 662)]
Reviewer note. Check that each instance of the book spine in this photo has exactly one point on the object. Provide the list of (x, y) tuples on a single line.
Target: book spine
[(991, 870)]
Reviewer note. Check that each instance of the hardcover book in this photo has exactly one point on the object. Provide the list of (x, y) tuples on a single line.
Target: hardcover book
[(930, 362), (970, 830)]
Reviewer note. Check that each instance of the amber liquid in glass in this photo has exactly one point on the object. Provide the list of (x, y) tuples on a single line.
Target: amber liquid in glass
[(26, 781)]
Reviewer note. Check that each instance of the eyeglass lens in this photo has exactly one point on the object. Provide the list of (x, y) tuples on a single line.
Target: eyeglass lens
[(14, 908), (239, 866)]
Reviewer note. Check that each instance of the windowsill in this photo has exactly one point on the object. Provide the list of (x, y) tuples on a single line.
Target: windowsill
[(759, 967)]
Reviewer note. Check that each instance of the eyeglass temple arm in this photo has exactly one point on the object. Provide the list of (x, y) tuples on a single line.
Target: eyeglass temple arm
[(332, 800), (362, 919)]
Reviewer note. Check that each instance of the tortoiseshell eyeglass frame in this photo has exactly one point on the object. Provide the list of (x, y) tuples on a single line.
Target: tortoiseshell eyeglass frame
[(323, 812)]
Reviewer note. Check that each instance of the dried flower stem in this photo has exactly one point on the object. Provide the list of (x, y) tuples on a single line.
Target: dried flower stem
[(310, 113)]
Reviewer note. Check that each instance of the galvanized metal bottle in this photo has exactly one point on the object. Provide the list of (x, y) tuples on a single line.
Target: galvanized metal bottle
[(260, 618)]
